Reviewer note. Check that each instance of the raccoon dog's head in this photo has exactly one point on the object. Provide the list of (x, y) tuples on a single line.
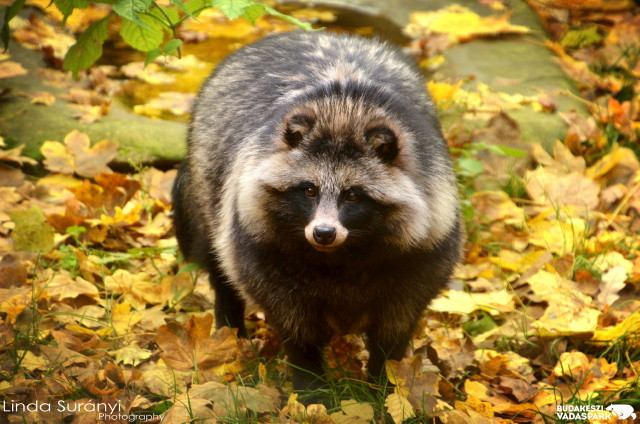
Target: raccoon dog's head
[(343, 175)]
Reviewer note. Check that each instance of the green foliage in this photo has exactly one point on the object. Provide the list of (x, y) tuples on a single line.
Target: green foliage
[(581, 37), (144, 35), (10, 13), (131, 9), (88, 48), (144, 23), (169, 48), (67, 6)]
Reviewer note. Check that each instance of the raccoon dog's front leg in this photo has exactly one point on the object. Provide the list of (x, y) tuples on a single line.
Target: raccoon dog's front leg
[(229, 305), (307, 363), (382, 348)]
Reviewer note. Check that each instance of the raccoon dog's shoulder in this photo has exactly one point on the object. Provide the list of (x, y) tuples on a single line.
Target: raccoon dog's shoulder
[(323, 110)]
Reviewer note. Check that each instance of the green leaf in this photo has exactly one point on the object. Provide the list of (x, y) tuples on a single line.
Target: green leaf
[(10, 13), (139, 37), (480, 326), (197, 6), (67, 6), (232, 9), (253, 12), (171, 46), (507, 151), (304, 25), (180, 5), (88, 47), (469, 166), (165, 13), (577, 38), (189, 268), (152, 55), (131, 9)]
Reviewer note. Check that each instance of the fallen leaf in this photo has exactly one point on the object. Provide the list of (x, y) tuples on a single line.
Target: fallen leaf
[(459, 302), (398, 407), (572, 364), (192, 347), (10, 69), (76, 155), (460, 23)]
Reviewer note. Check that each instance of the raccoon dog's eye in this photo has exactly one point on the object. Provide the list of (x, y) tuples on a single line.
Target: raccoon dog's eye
[(311, 191), (352, 196)]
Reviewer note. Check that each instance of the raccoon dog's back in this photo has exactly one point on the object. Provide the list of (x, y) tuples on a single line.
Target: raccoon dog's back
[(318, 185)]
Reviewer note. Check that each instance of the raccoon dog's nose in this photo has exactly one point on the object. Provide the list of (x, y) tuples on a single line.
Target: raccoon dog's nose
[(324, 235)]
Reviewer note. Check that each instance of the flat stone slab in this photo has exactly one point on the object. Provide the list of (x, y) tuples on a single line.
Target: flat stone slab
[(141, 139), (523, 59)]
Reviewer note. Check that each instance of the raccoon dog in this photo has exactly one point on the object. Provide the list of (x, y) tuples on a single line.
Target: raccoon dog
[(318, 185)]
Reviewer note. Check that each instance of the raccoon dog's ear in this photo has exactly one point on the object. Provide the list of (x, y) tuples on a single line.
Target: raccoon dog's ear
[(297, 126), (383, 141)]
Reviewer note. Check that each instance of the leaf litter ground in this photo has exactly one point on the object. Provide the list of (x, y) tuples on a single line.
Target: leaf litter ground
[(543, 312)]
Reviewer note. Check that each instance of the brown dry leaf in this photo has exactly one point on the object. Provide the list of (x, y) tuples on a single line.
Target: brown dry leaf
[(171, 102), (353, 412), (460, 23), (572, 364), (629, 328), (132, 355), (137, 288), (10, 69), (293, 408), (123, 319), (459, 302), (612, 282), (57, 157), (90, 161), (620, 163), (159, 183), (41, 97), (62, 286), (192, 346), (89, 114), (497, 206), (582, 128), (76, 155), (13, 272), (14, 301), (548, 187), (224, 398), (560, 236), (419, 389), (151, 74), (569, 311), (514, 261), (32, 362), (14, 155), (398, 407), (36, 34)]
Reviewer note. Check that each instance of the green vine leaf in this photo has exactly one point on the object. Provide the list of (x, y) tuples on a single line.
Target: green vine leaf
[(233, 9), (88, 48), (67, 6), (303, 25), (131, 9), (10, 13), (144, 36)]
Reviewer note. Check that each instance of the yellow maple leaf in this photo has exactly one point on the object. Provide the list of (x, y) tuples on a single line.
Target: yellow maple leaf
[(399, 408), (629, 327), (459, 302), (441, 92), (460, 23)]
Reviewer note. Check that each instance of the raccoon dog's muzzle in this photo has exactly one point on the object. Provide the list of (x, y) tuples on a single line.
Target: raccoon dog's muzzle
[(325, 232)]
